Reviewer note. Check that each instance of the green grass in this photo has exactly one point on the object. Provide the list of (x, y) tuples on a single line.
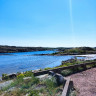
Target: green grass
[(76, 50), (28, 86)]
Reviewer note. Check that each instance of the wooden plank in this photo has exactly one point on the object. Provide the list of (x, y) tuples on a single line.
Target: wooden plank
[(66, 88), (62, 68)]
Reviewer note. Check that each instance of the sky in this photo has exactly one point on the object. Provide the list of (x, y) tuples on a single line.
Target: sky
[(48, 23)]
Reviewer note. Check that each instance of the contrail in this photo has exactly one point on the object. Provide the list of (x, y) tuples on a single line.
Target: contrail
[(71, 21), (71, 18)]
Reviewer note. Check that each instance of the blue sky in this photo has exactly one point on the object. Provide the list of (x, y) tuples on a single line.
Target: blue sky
[(48, 23)]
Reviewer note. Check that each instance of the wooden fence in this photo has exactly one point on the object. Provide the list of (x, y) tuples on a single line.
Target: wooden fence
[(58, 70)]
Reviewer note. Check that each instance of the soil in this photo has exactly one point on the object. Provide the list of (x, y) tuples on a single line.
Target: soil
[(85, 82)]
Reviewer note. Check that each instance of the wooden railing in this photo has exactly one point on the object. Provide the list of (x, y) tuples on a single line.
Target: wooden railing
[(58, 70)]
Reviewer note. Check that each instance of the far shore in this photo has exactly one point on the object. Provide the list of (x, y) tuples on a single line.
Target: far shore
[(88, 56)]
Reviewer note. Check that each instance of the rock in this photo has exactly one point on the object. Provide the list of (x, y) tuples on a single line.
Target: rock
[(42, 77), (12, 76), (4, 84), (51, 73), (0, 79), (9, 76), (27, 78), (59, 78)]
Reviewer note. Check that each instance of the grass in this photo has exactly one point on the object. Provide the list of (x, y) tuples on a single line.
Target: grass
[(75, 70), (73, 93), (31, 86), (67, 72), (76, 50), (73, 62), (51, 87)]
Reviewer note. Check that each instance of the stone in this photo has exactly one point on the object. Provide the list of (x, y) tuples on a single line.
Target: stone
[(59, 78), (12, 76), (51, 73)]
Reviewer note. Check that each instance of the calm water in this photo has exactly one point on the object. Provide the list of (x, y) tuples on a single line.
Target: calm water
[(24, 61)]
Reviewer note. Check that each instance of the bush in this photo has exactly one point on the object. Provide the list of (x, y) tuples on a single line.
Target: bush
[(5, 77), (34, 93), (67, 72), (20, 76), (47, 68), (28, 74), (51, 84)]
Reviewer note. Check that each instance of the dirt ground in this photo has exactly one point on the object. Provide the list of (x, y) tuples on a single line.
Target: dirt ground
[(85, 82)]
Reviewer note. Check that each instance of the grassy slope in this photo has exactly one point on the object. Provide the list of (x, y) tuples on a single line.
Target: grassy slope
[(75, 51)]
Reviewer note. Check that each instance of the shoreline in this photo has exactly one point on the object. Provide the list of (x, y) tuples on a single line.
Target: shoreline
[(88, 56)]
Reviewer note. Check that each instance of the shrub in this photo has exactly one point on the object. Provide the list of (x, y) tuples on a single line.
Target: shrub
[(28, 74), (5, 77), (20, 76), (40, 69), (50, 86), (50, 83), (34, 93), (35, 80), (67, 72), (47, 68)]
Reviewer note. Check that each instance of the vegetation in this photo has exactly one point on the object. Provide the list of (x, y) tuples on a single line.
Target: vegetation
[(75, 51), (61, 50), (11, 49), (78, 69), (73, 62), (31, 86), (5, 76), (47, 68)]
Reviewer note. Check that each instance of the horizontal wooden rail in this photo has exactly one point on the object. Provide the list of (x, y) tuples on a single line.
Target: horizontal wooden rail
[(58, 70)]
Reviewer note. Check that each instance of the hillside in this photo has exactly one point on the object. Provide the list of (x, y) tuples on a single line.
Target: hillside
[(75, 51), (11, 49)]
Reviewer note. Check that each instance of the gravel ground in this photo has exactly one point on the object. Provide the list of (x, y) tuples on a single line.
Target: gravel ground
[(85, 82)]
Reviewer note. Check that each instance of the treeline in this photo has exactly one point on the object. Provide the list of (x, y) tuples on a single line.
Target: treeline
[(61, 50), (11, 49), (75, 51)]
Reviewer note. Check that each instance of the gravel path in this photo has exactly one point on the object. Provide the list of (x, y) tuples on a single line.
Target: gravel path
[(85, 82)]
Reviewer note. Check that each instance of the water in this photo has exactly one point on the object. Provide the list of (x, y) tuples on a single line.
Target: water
[(24, 61)]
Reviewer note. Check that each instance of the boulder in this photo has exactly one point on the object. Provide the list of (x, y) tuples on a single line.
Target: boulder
[(51, 73), (11, 76), (59, 78)]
